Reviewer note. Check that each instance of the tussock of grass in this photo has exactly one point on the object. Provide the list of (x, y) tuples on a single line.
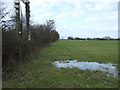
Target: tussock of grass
[(39, 73)]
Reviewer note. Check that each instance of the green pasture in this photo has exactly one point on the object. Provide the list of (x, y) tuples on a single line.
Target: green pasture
[(37, 72)]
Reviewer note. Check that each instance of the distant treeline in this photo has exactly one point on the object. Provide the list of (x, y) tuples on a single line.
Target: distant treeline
[(40, 36), (104, 38)]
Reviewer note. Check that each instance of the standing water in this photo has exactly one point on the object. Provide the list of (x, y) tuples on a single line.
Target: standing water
[(109, 68)]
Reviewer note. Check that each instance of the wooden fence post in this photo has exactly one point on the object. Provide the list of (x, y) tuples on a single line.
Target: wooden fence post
[(18, 27)]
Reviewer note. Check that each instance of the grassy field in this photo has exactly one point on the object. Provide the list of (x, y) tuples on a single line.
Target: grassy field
[(39, 73)]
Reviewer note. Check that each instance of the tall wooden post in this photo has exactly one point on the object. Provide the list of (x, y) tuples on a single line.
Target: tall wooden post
[(17, 10), (21, 38), (28, 32), (27, 8), (18, 27)]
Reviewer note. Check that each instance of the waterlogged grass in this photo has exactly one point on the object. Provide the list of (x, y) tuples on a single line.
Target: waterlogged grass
[(39, 73)]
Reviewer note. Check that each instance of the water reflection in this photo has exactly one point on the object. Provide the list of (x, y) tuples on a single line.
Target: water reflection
[(109, 68)]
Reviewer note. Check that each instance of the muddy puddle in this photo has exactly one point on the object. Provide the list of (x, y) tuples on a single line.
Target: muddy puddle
[(109, 68)]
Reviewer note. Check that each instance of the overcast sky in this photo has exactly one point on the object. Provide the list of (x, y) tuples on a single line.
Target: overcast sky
[(77, 18)]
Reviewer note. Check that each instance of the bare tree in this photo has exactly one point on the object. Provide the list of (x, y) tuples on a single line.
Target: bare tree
[(50, 24), (5, 12)]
